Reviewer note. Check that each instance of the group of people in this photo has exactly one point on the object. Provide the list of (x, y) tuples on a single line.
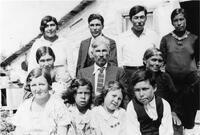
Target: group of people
[(121, 88)]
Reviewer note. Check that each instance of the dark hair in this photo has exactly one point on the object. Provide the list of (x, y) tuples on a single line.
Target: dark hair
[(68, 95), (136, 9), (177, 11), (35, 73), (43, 51), (96, 16), (45, 20), (152, 52), (143, 75), (112, 85)]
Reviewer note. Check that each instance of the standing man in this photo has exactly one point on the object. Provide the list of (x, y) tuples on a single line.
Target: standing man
[(101, 72), (85, 58), (147, 114), (133, 43)]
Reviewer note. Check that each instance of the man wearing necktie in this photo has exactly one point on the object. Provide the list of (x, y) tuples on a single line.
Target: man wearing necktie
[(101, 72), (147, 114)]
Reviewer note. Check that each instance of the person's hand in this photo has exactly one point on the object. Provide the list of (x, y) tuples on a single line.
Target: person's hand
[(176, 119)]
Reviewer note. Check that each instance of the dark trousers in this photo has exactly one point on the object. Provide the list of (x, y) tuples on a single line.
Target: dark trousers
[(187, 99)]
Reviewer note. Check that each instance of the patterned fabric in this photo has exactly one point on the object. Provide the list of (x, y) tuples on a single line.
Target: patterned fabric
[(100, 81)]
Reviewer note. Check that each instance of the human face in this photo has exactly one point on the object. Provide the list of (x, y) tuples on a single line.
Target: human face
[(101, 54), (46, 61), (138, 21), (95, 27), (82, 96), (154, 63), (50, 29), (144, 91), (179, 22), (39, 87), (113, 100)]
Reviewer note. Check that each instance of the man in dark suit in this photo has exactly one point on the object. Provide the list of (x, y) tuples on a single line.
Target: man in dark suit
[(100, 52), (85, 59)]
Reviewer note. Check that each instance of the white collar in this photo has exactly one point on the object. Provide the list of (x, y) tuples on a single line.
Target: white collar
[(107, 115), (96, 67)]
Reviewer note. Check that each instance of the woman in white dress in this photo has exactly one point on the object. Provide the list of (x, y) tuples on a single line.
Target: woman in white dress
[(41, 114), (108, 115)]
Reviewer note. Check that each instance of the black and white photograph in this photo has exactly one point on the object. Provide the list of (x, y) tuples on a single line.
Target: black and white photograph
[(99, 67)]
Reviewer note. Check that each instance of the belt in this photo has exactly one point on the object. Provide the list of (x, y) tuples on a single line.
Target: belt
[(133, 67)]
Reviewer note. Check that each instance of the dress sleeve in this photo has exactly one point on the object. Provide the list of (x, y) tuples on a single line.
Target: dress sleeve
[(61, 114), (163, 48)]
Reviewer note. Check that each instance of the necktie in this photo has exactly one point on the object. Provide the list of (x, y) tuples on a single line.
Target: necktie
[(100, 80)]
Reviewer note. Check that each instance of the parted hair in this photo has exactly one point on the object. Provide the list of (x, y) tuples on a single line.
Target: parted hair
[(43, 51), (111, 86), (136, 9), (143, 75), (45, 20), (68, 95), (35, 73), (96, 16), (177, 11), (152, 52)]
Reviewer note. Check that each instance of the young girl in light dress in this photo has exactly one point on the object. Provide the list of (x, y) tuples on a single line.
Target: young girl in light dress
[(79, 100), (108, 115)]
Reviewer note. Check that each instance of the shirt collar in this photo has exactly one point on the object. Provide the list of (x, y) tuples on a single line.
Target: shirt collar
[(96, 67), (107, 115), (92, 38), (152, 103), (143, 33)]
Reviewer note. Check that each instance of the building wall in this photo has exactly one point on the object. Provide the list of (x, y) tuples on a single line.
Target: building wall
[(114, 23)]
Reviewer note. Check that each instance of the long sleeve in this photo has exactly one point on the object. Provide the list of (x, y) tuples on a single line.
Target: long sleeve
[(163, 47), (79, 66), (113, 53), (132, 124), (166, 127), (196, 53), (120, 52)]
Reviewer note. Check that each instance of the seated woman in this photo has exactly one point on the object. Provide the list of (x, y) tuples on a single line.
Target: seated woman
[(153, 61), (45, 58), (79, 100), (108, 115), (41, 114)]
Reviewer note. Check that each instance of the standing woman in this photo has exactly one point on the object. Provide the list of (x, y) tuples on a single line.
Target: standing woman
[(181, 52), (41, 114), (49, 27), (108, 115)]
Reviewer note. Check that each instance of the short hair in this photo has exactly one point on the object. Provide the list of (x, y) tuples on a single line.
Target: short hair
[(136, 9), (96, 16), (68, 95), (43, 51), (152, 52), (177, 11), (143, 75), (101, 40), (111, 86), (45, 20), (35, 73)]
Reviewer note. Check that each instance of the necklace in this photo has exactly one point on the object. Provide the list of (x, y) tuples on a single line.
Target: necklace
[(180, 39)]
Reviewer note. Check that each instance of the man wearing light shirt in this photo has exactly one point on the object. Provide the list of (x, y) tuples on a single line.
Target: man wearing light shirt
[(147, 114), (133, 43), (100, 52)]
